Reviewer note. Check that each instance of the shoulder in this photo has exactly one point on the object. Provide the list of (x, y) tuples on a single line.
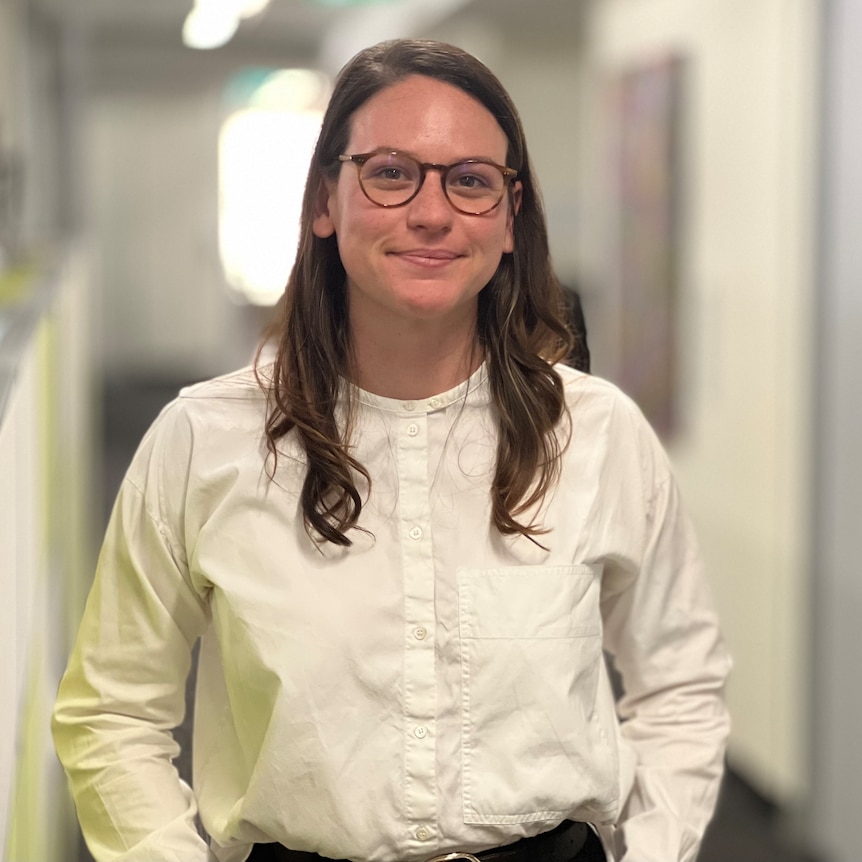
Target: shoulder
[(238, 390), (220, 416), (608, 421), (589, 393), (225, 404)]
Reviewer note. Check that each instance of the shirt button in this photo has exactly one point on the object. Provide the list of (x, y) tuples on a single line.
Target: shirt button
[(420, 633), (409, 406), (416, 533), (412, 429), (423, 834), (434, 403), (420, 732)]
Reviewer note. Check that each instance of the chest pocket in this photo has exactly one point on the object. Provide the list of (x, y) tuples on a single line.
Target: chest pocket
[(529, 602), (539, 739)]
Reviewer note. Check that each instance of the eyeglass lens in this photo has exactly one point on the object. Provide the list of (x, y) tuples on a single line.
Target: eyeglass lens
[(390, 179)]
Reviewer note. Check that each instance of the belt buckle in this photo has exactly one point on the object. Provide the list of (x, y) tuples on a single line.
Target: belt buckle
[(451, 857)]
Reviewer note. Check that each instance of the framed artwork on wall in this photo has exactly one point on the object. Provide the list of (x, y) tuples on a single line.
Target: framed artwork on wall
[(647, 175)]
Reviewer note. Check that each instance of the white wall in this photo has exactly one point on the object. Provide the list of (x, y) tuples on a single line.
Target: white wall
[(742, 455), (837, 696), (46, 557), (544, 85), (153, 160), (46, 552), (165, 310), (21, 572)]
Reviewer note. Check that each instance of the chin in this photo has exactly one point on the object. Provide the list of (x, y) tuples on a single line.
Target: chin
[(439, 309)]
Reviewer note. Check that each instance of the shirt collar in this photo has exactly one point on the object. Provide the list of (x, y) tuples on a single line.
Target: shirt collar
[(474, 391)]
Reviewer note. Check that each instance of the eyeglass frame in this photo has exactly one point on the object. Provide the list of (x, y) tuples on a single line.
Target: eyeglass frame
[(359, 159)]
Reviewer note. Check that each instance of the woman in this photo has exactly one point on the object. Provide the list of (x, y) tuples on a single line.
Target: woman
[(403, 545)]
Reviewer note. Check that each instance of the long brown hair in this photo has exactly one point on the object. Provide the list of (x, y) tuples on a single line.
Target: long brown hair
[(521, 318)]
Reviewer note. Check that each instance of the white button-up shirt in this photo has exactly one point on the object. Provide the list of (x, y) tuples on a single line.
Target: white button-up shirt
[(436, 686)]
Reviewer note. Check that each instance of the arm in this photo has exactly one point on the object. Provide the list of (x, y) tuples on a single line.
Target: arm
[(123, 691), (663, 632)]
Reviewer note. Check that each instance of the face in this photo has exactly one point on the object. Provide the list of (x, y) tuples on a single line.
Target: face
[(424, 260)]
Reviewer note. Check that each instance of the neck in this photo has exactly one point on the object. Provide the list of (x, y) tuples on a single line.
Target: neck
[(415, 360)]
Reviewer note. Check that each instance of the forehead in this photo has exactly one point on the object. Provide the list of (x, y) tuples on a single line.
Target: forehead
[(428, 118)]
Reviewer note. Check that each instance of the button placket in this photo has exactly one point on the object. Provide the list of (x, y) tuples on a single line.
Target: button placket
[(418, 578)]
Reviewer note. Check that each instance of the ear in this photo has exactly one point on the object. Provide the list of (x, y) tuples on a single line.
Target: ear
[(514, 207), (322, 224)]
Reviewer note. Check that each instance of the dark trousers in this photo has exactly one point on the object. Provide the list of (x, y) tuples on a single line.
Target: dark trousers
[(592, 851)]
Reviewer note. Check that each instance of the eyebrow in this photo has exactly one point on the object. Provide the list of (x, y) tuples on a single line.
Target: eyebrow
[(414, 155)]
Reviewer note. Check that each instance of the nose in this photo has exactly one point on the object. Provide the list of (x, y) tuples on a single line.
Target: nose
[(430, 209)]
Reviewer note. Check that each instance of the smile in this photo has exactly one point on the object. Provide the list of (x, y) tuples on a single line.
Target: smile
[(427, 257)]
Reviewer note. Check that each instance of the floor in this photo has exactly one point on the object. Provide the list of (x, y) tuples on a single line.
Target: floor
[(746, 828)]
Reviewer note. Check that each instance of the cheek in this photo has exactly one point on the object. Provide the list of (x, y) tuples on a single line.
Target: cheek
[(499, 238), (360, 236), (357, 224)]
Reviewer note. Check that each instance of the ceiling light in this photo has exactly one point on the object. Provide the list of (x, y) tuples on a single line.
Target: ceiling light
[(212, 23), (205, 30), (234, 8), (348, 2)]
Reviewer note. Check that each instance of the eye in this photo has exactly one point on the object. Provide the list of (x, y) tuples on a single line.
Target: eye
[(469, 181), (386, 169), (474, 178), (390, 172)]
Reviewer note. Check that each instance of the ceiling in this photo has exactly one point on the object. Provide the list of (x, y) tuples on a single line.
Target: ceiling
[(159, 19), (309, 30)]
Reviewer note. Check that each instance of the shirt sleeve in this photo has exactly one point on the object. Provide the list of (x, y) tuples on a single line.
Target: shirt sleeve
[(663, 633), (124, 689)]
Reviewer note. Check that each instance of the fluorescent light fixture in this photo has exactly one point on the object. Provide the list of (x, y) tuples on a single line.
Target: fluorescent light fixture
[(213, 23), (348, 2), (205, 30), (265, 146), (233, 8), (247, 8), (291, 90), (365, 23)]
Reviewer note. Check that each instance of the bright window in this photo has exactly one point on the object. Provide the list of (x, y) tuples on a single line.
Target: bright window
[(264, 149)]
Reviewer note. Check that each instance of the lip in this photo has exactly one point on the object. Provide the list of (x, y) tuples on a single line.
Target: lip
[(430, 257)]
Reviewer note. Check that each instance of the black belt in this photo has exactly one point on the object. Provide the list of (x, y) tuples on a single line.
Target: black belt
[(561, 844)]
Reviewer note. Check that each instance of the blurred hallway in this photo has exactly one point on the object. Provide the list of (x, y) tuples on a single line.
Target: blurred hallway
[(113, 293)]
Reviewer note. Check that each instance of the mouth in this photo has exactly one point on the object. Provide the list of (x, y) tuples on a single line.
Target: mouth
[(426, 257)]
